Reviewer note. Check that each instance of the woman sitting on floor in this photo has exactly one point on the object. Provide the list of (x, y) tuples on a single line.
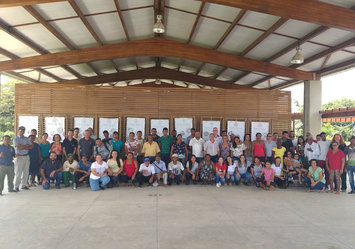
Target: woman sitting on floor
[(267, 177), (231, 171), (279, 180), (256, 169), (206, 170), (242, 167), (315, 179)]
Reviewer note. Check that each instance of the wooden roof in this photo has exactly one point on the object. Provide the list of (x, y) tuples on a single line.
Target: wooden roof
[(207, 43)]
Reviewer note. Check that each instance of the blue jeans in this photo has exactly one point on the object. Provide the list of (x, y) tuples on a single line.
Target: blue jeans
[(256, 181), (177, 179), (318, 186), (232, 177), (95, 183), (351, 173), (126, 178), (246, 177), (57, 177), (165, 157), (199, 159), (219, 179)]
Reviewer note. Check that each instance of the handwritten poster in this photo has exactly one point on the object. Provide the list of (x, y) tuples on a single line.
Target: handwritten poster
[(262, 127), (237, 128), (134, 125), (207, 128), (183, 126), (54, 125), (29, 122), (108, 124), (83, 124), (159, 124)]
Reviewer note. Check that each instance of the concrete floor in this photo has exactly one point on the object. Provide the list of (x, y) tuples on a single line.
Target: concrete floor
[(176, 217)]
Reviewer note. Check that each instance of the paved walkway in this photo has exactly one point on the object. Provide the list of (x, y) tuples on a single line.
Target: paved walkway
[(176, 217)]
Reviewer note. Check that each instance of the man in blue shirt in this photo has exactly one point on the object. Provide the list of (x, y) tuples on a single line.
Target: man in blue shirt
[(22, 161), (7, 153), (82, 172), (51, 169)]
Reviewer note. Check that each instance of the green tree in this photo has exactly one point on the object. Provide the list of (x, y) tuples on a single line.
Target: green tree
[(7, 109)]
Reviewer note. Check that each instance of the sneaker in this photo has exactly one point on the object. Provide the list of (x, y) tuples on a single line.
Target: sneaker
[(351, 192), (74, 186), (25, 187)]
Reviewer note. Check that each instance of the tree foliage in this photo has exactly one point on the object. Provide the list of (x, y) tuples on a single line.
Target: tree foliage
[(7, 109)]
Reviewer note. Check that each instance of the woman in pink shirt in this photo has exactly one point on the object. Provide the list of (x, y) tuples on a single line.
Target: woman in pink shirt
[(267, 177), (57, 146)]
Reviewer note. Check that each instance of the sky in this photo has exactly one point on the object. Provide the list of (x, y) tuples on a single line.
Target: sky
[(336, 86)]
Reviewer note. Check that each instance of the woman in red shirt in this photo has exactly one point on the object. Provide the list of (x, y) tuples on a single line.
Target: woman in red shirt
[(130, 168), (221, 168), (258, 148), (335, 163)]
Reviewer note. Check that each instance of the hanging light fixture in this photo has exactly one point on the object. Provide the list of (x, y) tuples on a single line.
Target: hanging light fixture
[(297, 58), (158, 27)]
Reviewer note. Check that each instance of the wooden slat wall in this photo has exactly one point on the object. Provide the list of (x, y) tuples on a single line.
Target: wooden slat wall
[(70, 101)]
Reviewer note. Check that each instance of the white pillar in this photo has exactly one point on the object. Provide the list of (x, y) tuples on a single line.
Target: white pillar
[(312, 120)]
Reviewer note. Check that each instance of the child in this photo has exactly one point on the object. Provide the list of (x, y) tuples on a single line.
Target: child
[(231, 171), (267, 177)]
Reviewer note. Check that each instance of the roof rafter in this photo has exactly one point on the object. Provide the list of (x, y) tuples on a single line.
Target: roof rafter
[(318, 12), (154, 73), (155, 47)]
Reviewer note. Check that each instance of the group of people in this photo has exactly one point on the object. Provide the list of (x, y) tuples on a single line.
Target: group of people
[(222, 160)]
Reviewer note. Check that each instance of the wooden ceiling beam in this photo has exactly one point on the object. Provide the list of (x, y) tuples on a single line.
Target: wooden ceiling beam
[(225, 35), (154, 73), (318, 12), (154, 47)]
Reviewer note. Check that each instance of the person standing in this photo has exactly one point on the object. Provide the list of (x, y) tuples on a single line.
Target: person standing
[(70, 145), (86, 146), (34, 133), (117, 144), (196, 146), (34, 155), (248, 144), (211, 147), (150, 148), (216, 136), (311, 150), (179, 147), (22, 161), (324, 145), (140, 140), (102, 149), (7, 153), (165, 146), (350, 163), (132, 145), (335, 163), (258, 148), (44, 148), (76, 134), (225, 148), (292, 137), (269, 145), (340, 140), (107, 138), (155, 135), (57, 147), (286, 142)]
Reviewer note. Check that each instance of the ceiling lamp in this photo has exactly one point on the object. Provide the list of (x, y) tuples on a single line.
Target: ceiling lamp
[(158, 27), (297, 58)]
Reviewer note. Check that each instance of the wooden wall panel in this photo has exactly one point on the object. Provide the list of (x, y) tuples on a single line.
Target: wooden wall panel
[(201, 104)]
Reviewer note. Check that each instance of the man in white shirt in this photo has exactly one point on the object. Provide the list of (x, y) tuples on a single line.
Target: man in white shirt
[(196, 146), (311, 149), (211, 147), (175, 170), (217, 137), (324, 146), (160, 171), (146, 172), (293, 138)]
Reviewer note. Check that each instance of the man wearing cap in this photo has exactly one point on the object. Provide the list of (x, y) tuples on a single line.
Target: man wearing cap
[(51, 169), (82, 172), (175, 170), (69, 168), (7, 153), (22, 161), (160, 170), (146, 172)]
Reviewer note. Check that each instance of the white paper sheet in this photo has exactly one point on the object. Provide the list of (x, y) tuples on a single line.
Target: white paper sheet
[(207, 128), (183, 126), (134, 125), (237, 128), (109, 124), (83, 124), (54, 125), (262, 127), (159, 124), (29, 122)]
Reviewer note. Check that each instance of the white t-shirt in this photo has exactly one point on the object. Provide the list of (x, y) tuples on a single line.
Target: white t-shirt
[(277, 169), (231, 169), (197, 146), (100, 169), (323, 149), (150, 169), (174, 167), (194, 167)]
